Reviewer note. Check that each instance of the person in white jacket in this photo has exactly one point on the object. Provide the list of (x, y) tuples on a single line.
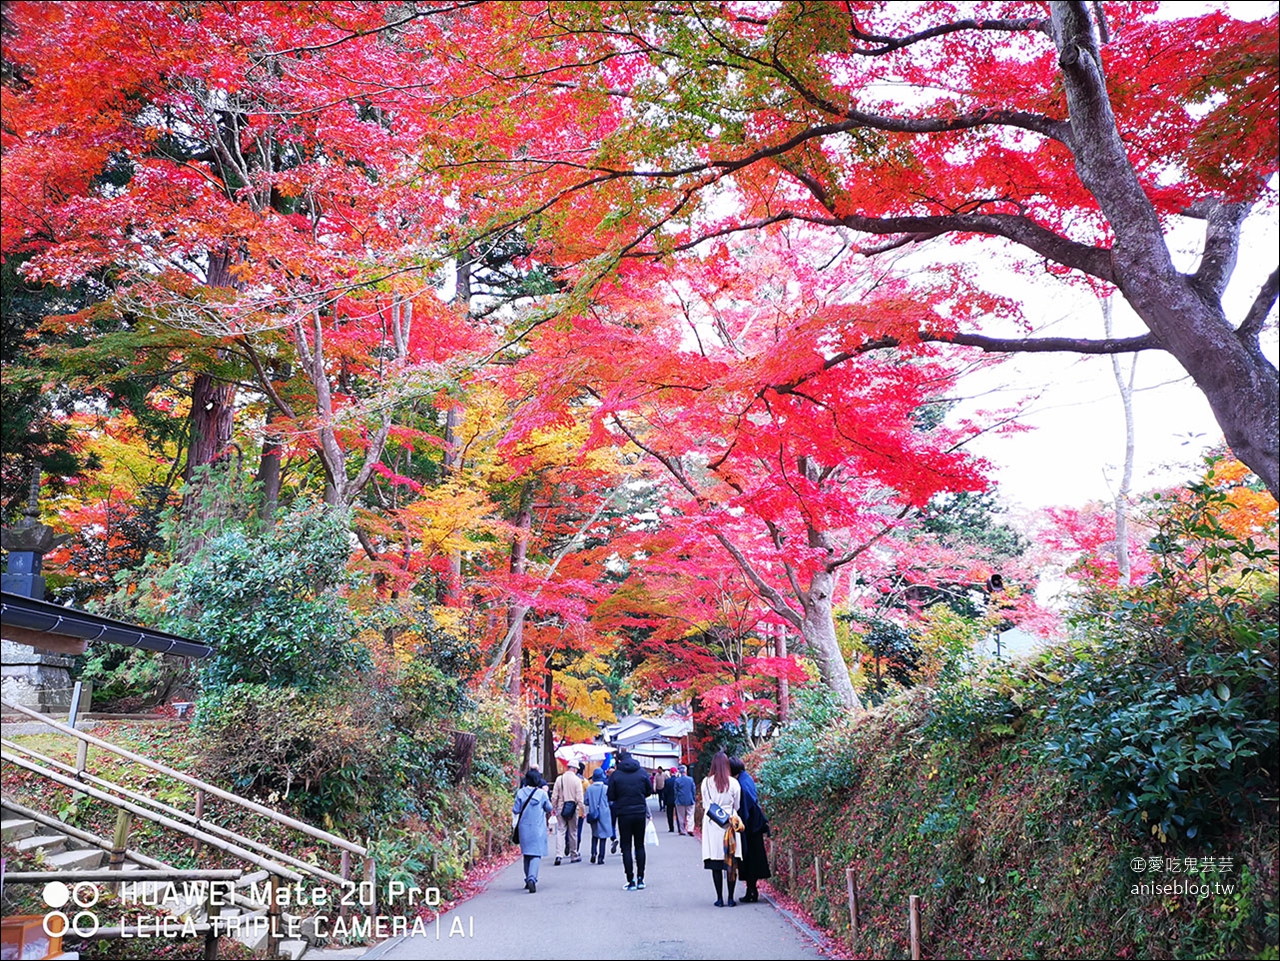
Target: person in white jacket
[(721, 845)]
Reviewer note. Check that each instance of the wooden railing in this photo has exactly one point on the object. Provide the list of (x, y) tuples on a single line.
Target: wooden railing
[(275, 865)]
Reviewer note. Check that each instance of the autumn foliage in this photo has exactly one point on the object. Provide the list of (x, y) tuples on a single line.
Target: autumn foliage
[(582, 308)]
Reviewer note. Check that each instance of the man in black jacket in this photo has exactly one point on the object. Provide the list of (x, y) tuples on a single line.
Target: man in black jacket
[(629, 786)]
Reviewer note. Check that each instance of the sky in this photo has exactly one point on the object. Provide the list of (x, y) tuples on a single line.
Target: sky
[(1074, 452)]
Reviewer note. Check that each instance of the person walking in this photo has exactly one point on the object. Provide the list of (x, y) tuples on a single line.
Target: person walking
[(684, 793), (669, 800), (613, 808), (660, 782), (721, 798), (582, 808), (598, 816), (629, 789), (755, 859), (566, 801), (529, 814)]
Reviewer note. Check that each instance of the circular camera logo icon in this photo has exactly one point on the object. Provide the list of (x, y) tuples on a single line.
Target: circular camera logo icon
[(58, 895)]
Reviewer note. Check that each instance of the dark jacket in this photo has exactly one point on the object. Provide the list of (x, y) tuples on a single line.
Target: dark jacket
[(751, 813), (628, 788)]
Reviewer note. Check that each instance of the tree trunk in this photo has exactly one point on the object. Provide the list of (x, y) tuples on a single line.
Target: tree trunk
[(1125, 387), (452, 462), (1239, 382), (1183, 312), (819, 631), (517, 611), (548, 735), (784, 686), (269, 477), (212, 421)]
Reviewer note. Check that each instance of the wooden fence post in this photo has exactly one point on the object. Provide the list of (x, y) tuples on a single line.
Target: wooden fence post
[(913, 907), (851, 883), (345, 871), (211, 913), (120, 843), (371, 878), (817, 874), (791, 864), (82, 699), (196, 845), (273, 919)]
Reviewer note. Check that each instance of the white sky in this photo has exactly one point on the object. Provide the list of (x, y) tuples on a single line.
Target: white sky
[(1075, 453)]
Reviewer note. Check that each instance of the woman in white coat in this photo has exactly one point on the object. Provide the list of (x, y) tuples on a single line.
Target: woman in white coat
[(721, 846)]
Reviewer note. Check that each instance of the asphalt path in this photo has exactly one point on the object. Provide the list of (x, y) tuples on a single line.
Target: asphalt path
[(582, 908)]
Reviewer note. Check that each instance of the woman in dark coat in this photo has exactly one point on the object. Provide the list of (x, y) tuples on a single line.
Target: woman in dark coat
[(755, 860)]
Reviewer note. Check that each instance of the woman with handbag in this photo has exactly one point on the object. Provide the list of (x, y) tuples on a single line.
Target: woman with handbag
[(529, 825), (721, 842)]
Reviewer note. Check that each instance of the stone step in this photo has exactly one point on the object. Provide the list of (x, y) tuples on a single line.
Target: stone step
[(293, 949), (14, 828), (49, 843), (252, 934), (85, 859)]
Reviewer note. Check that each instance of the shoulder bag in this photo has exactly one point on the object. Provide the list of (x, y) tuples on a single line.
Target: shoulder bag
[(515, 828)]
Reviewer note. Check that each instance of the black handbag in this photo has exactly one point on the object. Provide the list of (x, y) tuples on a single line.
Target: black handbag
[(718, 814), (568, 809)]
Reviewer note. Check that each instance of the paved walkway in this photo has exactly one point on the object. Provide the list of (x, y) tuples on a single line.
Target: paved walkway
[(582, 910)]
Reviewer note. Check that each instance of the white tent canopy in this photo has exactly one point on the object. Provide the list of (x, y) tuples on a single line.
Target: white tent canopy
[(582, 753)]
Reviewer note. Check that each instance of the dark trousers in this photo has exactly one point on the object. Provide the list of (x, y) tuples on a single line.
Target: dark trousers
[(671, 818), (598, 848), (631, 834)]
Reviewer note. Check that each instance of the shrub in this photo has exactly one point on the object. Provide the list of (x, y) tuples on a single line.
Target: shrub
[(323, 754), (127, 679), (272, 605), (1168, 705)]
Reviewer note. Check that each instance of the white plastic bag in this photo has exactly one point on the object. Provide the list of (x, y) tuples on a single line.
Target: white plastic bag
[(650, 834)]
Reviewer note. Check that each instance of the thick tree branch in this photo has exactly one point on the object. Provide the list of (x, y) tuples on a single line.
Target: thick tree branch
[(886, 45), (1095, 261), (1261, 309), (992, 345), (366, 541), (770, 593), (1102, 163), (1040, 345), (852, 555), (1221, 247)]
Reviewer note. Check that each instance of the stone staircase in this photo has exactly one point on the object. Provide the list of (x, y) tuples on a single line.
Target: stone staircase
[(70, 849), (69, 853), (74, 850)]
